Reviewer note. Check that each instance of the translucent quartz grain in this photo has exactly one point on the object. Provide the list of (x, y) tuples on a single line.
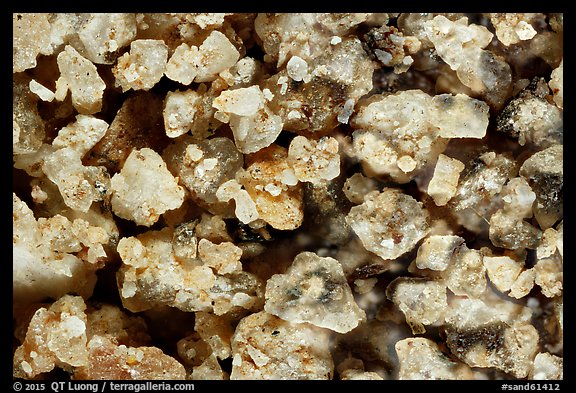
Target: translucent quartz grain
[(203, 167), (535, 120), (460, 45), (502, 271), (151, 276), (313, 290), (183, 64), (210, 370), (216, 54), (436, 251), (423, 302), (28, 129), (442, 186), (549, 276), (483, 178), (547, 367), (31, 37), (244, 101), (81, 135), (466, 274), (193, 350), (402, 117), (80, 76), (112, 322), (277, 33), (523, 284), (143, 66), (76, 182), (297, 68), (551, 241), (38, 269), (245, 208), (420, 358), (398, 134), (104, 35), (136, 125), (253, 124), (459, 116), (180, 112), (357, 186), (509, 226), (512, 28), (56, 336), (557, 85), (223, 257), (244, 73), (41, 91), (545, 174), (389, 223), (492, 334), (216, 331), (314, 161), (267, 347)]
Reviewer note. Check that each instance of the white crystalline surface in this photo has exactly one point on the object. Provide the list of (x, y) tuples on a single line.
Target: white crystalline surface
[(389, 223), (143, 66), (267, 347), (313, 161), (512, 28), (459, 116), (81, 135), (461, 45), (422, 302), (502, 271), (31, 37), (216, 54), (436, 251), (180, 111), (45, 262), (183, 64), (145, 189), (80, 76), (252, 122), (105, 34), (41, 91), (397, 134), (442, 186), (151, 276), (547, 367), (421, 358), (57, 336), (557, 85)]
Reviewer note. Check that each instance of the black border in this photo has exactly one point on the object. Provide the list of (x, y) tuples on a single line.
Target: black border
[(339, 6)]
